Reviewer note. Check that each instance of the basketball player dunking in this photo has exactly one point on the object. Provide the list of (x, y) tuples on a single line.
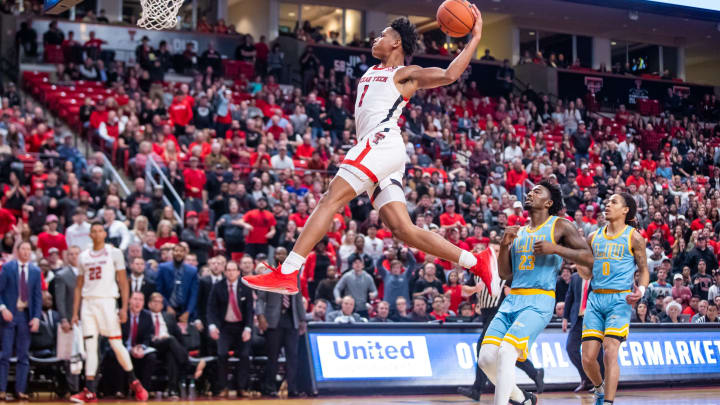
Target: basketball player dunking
[(531, 257), (101, 272), (377, 163), (618, 250)]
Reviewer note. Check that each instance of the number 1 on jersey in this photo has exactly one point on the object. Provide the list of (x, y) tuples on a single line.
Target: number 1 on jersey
[(363, 95)]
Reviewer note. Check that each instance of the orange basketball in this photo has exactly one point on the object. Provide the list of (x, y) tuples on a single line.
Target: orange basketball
[(455, 17)]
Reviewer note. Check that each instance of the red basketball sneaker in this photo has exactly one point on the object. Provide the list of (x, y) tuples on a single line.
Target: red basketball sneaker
[(275, 281), (141, 393), (84, 397), (486, 269)]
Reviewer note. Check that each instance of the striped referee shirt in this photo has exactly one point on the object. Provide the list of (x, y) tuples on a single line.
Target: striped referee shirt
[(487, 301)]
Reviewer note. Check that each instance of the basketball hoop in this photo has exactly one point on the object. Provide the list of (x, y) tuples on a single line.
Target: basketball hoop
[(159, 14)]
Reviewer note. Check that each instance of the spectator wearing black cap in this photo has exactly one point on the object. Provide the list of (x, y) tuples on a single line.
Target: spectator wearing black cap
[(197, 239), (701, 251), (701, 281), (260, 224)]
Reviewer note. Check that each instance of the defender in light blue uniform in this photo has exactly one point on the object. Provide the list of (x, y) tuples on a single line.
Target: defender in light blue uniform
[(531, 257), (531, 303), (608, 313), (618, 250)]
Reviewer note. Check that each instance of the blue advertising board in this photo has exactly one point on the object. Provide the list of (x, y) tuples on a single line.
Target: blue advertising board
[(444, 355)]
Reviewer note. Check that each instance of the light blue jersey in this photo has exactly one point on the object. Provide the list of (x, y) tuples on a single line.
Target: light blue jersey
[(608, 313), (530, 271), (614, 267), (529, 307)]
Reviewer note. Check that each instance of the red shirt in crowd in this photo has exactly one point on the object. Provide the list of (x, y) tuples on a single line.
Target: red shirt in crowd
[(517, 220), (47, 241), (299, 219), (261, 221), (194, 179), (180, 112), (515, 178), (653, 227), (304, 151), (169, 239), (440, 318), (97, 117), (455, 296), (450, 220), (7, 220), (584, 180), (698, 224), (637, 181)]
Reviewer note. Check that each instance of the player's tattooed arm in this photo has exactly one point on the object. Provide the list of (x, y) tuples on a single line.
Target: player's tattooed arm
[(640, 253), (570, 245)]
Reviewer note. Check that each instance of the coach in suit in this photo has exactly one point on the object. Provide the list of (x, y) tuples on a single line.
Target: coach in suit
[(63, 293), (167, 340), (21, 308), (137, 333), (43, 342), (230, 314), (64, 287), (575, 303), (137, 280), (208, 346), (282, 319), (178, 282)]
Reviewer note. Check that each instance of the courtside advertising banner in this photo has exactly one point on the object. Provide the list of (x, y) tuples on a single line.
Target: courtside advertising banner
[(444, 355)]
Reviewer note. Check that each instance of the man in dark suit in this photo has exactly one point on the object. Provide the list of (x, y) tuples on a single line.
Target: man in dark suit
[(43, 342), (137, 333), (282, 319), (21, 308), (575, 303), (64, 293), (208, 346), (230, 316), (137, 281), (167, 340), (178, 282)]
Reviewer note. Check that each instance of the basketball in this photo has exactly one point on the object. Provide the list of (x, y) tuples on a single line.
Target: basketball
[(455, 17)]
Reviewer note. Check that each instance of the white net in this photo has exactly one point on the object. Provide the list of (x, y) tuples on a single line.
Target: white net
[(159, 14)]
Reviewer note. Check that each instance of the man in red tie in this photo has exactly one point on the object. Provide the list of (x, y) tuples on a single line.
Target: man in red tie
[(136, 336), (166, 339), (575, 305), (230, 317)]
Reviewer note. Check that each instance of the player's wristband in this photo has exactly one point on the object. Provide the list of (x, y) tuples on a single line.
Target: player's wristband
[(641, 288)]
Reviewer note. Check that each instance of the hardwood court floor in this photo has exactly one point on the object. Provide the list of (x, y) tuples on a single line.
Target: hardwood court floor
[(649, 396)]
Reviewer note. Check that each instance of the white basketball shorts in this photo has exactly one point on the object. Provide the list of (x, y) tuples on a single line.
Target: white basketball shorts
[(376, 165)]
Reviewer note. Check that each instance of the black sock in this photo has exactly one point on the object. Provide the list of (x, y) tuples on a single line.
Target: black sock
[(91, 385), (608, 402), (131, 375)]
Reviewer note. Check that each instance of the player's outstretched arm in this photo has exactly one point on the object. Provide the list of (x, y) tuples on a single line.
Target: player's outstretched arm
[(415, 77), (571, 245)]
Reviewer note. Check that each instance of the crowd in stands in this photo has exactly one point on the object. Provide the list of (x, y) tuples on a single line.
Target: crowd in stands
[(250, 158)]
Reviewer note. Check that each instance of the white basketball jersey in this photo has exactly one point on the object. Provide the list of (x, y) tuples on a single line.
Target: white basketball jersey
[(379, 102), (98, 269)]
